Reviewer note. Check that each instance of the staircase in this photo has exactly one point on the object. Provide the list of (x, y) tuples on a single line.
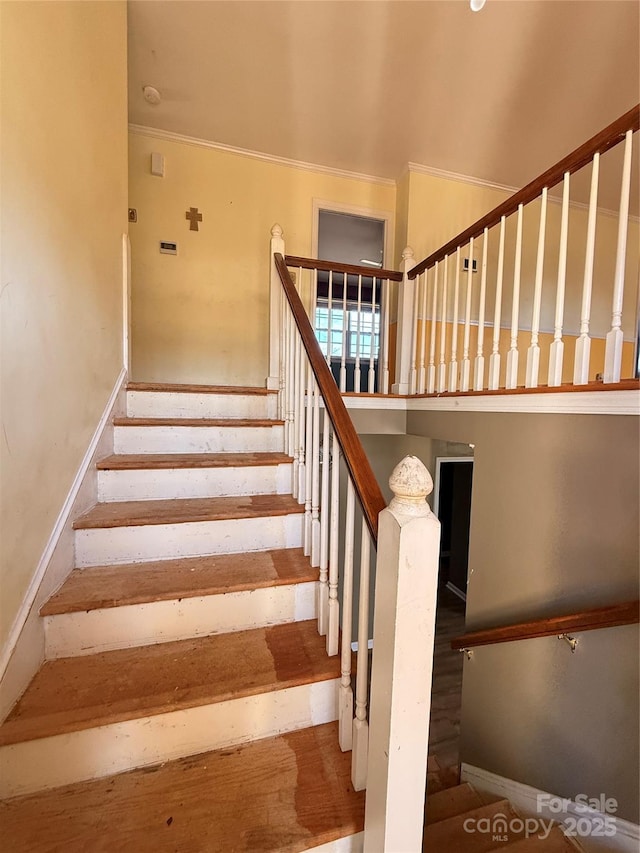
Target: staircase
[(187, 702)]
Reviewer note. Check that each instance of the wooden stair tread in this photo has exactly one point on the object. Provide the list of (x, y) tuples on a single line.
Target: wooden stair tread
[(452, 801), (70, 694), (185, 510), (197, 422), (174, 388), (285, 794), (450, 834), (136, 461), (186, 577)]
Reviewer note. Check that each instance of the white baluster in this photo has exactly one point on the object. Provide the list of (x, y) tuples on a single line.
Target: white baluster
[(478, 367), (422, 373), (308, 471), (329, 320), (345, 696), (431, 371), (556, 354), (371, 378), (453, 365), (282, 411), (345, 327), (466, 361), (333, 623), (314, 296), (384, 336), (296, 414), (323, 583), (512, 356), (615, 338), (276, 297), (403, 640), (494, 361), (360, 724), (442, 366), (415, 313), (301, 422), (533, 355), (356, 371), (283, 407), (583, 344), (315, 479), (291, 394)]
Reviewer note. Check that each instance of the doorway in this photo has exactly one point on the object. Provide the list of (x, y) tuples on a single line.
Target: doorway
[(347, 315), (452, 505)]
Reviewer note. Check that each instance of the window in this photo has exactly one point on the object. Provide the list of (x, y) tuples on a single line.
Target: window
[(343, 329)]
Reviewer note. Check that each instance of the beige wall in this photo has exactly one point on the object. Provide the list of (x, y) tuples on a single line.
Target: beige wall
[(64, 200), (203, 316), (554, 528)]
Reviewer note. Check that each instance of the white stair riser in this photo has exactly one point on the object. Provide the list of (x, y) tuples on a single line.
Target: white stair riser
[(169, 404), (77, 756), (86, 632), (112, 545), (197, 439), (170, 483)]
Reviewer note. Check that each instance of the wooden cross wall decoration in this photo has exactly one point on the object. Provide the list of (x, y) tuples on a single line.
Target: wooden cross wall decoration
[(194, 217)]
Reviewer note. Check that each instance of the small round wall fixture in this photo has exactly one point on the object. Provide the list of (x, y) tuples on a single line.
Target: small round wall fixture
[(476, 5), (151, 95)]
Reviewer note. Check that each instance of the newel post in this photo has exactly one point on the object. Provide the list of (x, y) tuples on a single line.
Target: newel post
[(403, 637), (404, 335), (275, 296)]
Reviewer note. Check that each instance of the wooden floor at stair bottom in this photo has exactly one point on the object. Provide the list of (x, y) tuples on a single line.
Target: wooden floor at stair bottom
[(282, 794)]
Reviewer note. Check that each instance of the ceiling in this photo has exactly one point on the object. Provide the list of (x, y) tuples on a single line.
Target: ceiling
[(370, 85)]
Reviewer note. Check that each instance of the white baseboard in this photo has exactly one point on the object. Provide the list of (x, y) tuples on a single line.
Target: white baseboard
[(348, 844), (530, 802), (25, 647)]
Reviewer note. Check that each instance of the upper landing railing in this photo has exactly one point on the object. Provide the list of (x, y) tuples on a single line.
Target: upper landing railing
[(350, 308), (516, 244)]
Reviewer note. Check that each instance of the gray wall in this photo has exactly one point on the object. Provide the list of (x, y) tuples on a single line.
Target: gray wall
[(554, 528)]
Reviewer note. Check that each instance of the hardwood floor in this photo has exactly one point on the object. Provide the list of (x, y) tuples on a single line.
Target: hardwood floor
[(446, 693)]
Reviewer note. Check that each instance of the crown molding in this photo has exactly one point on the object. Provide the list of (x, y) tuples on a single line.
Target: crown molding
[(432, 172), (416, 168), (169, 136)]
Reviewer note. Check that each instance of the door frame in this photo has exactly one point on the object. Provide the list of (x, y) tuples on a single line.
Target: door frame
[(436, 482), (386, 216)]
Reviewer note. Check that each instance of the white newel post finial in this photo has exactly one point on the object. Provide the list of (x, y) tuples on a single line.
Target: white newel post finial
[(275, 295), (403, 637), (405, 332)]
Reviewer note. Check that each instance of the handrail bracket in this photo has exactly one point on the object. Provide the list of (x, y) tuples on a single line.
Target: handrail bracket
[(572, 641)]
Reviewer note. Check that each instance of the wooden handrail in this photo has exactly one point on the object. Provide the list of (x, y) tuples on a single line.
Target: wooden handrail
[(627, 613), (601, 142), (364, 480), (334, 266)]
